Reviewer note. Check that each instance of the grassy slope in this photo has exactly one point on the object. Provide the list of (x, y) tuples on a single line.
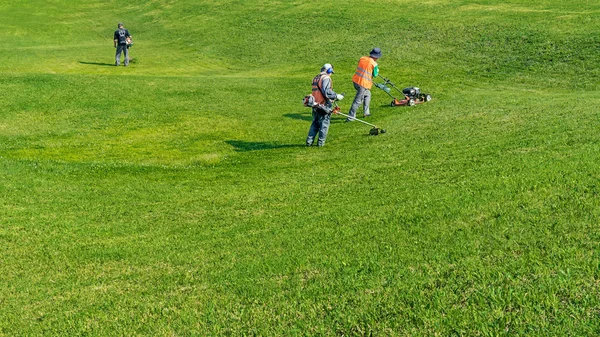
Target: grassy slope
[(173, 196)]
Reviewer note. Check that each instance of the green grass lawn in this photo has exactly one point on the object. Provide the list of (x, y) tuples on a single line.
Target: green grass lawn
[(175, 197)]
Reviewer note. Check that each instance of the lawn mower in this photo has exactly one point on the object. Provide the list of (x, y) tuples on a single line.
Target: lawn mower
[(412, 95)]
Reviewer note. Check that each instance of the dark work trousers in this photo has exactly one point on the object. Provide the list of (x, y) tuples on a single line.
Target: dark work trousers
[(122, 47), (320, 126)]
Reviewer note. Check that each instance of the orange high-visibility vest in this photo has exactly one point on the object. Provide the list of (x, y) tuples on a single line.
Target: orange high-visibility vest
[(364, 72), (317, 86)]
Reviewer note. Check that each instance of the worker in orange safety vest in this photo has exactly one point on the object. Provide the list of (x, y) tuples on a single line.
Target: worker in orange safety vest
[(363, 81)]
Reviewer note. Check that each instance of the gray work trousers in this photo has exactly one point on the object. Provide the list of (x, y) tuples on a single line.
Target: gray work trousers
[(320, 126), (363, 95), (122, 48)]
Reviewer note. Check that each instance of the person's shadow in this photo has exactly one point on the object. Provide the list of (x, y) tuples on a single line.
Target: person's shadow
[(308, 117), (299, 116), (243, 146), (97, 63)]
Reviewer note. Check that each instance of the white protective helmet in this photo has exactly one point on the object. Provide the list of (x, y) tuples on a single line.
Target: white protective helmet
[(328, 68)]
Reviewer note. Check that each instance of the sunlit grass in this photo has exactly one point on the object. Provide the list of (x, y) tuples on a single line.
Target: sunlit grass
[(175, 196)]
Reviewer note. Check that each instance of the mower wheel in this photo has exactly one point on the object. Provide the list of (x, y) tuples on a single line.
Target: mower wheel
[(427, 98), (392, 104), (411, 102)]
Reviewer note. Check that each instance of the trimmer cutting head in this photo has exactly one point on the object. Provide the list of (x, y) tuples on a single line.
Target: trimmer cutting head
[(376, 131)]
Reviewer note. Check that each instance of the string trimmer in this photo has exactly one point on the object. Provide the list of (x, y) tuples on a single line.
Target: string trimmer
[(375, 130)]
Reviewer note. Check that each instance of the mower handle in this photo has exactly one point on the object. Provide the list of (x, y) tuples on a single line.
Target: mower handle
[(387, 81)]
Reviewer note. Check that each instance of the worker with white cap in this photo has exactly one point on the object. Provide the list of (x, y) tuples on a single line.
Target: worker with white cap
[(322, 91)]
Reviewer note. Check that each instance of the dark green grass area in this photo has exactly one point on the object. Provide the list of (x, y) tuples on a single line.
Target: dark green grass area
[(176, 196)]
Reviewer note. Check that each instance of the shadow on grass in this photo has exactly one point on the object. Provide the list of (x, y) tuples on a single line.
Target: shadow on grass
[(97, 63), (300, 116), (338, 119), (131, 61), (308, 118), (243, 146)]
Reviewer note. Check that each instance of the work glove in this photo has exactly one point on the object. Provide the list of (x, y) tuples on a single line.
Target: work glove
[(340, 97)]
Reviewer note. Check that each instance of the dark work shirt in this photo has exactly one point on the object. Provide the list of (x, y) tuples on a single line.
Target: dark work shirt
[(121, 35)]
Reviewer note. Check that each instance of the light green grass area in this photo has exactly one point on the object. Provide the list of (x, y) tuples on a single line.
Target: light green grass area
[(175, 197)]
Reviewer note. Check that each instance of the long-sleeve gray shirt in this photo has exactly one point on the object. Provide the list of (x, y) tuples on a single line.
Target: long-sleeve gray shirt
[(327, 89)]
